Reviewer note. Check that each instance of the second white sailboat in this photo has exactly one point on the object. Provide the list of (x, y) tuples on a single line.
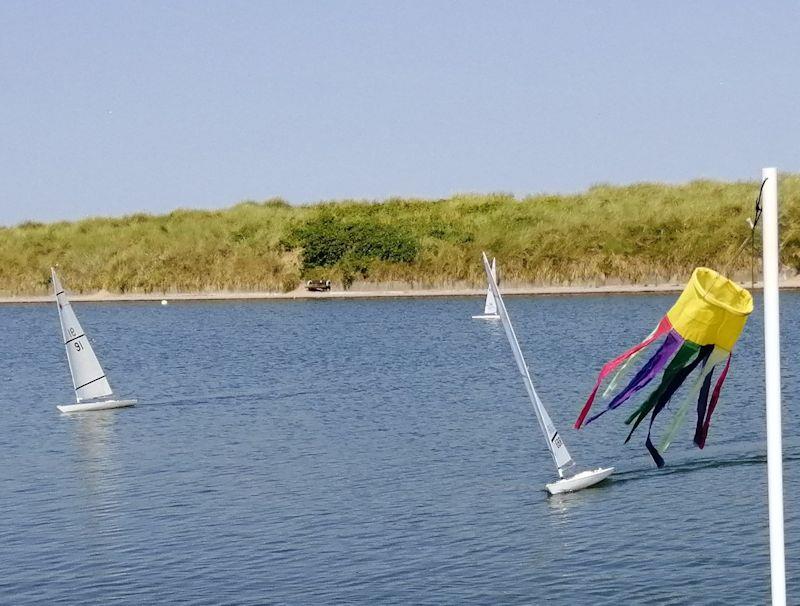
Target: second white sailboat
[(92, 390), (555, 443), (490, 307)]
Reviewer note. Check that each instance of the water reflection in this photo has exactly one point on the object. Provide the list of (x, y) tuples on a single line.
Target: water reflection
[(97, 464), (562, 504)]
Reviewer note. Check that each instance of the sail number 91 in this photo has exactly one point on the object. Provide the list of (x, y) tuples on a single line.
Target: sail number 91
[(78, 345)]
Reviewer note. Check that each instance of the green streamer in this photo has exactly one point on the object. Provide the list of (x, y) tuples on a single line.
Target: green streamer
[(717, 356), (682, 358)]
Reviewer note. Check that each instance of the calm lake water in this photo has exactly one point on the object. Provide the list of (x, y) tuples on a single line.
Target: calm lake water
[(373, 452)]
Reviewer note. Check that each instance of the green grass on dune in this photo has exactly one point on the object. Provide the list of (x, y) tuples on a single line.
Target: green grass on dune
[(632, 234)]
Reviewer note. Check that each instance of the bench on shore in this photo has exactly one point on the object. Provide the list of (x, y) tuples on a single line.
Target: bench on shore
[(318, 285)]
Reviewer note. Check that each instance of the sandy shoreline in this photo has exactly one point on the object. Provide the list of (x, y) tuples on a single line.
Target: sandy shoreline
[(302, 294)]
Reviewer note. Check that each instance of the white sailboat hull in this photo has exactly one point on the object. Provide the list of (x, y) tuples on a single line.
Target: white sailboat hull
[(486, 317), (580, 481), (89, 406)]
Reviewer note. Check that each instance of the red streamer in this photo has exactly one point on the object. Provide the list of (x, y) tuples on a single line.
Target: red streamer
[(663, 327)]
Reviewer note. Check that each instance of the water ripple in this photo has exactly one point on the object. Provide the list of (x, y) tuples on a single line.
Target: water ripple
[(371, 452)]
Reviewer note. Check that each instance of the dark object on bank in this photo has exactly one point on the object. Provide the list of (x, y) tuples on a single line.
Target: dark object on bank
[(318, 285)]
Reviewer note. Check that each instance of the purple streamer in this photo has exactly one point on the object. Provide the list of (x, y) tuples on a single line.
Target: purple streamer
[(646, 373)]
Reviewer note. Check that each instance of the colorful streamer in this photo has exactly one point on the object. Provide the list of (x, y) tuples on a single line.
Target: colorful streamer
[(699, 331)]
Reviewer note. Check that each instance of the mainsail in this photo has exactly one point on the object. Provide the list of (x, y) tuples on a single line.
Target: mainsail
[(87, 375), (556, 445), (490, 308)]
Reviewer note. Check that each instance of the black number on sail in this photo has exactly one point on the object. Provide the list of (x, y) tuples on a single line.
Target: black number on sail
[(78, 345)]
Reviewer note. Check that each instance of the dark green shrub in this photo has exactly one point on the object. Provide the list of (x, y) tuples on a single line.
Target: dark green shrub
[(326, 240)]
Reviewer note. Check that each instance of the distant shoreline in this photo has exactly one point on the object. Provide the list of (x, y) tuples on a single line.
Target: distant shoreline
[(606, 239), (302, 294)]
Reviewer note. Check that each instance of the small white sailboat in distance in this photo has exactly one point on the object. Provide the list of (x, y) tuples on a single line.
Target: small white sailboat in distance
[(92, 389), (490, 307), (561, 456)]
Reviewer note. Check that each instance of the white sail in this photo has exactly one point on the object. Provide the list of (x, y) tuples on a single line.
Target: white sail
[(87, 375), (556, 445), (490, 308)]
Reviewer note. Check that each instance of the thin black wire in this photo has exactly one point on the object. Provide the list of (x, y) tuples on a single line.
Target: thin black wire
[(750, 239), (757, 216)]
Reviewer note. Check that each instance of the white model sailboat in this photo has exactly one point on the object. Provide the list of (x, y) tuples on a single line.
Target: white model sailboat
[(92, 390), (561, 456), (490, 307)]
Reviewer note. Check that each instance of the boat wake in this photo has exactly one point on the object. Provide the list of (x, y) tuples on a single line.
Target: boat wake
[(699, 465)]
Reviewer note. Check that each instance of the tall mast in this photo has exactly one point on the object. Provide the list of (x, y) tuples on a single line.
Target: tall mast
[(555, 443)]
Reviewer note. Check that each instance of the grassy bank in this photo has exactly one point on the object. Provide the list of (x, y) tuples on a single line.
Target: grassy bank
[(633, 234)]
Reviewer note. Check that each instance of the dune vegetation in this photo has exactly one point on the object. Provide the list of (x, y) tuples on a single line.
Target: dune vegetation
[(640, 233)]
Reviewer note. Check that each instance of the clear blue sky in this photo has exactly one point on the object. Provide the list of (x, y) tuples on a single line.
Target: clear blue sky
[(113, 108)]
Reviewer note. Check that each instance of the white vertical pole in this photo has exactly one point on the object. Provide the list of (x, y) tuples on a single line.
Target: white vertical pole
[(772, 357)]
